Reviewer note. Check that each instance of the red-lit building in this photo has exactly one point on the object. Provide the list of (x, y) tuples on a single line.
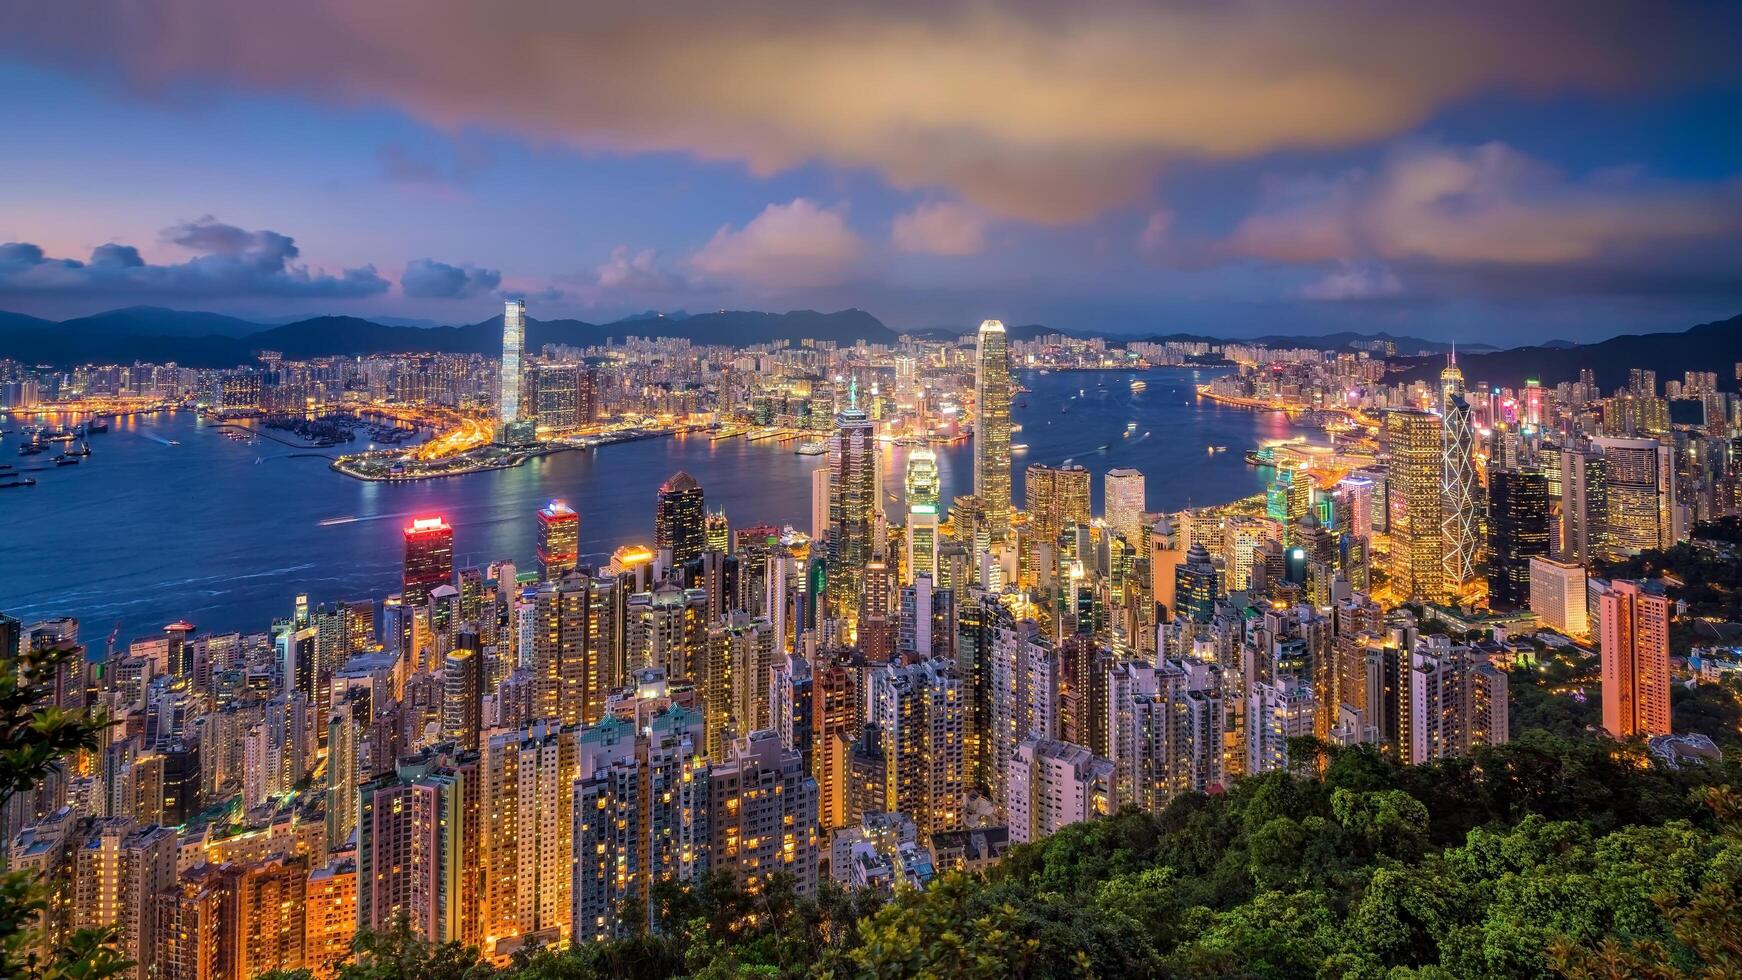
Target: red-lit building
[(429, 558), (559, 540)]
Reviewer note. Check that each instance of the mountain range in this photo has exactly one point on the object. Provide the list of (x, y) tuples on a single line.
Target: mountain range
[(198, 339)]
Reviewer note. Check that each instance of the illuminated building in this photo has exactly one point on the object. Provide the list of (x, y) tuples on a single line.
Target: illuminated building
[(556, 394), (1287, 500), (1057, 497), (1454, 701), (852, 502), (762, 815), (513, 339), (330, 921), (463, 690), (1518, 530), (922, 514), (667, 628), (717, 532), (1164, 559), (559, 540), (1639, 495), (1164, 731), (922, 477), (119, 869), (527, 851), (197, 920), (1195, 585), (837, 714), (412, 844), (819, 503), (1022, 677), (1412, 437), (574, 665), (920, 717), (1633, 620), (1276, 711), (270, 905), (1052, 785), (638, 817), (1460, 525), (992, 398), (1584, 504), (429, 558), (680, 518), (732, 677), (1557, 596), (1123, 489)]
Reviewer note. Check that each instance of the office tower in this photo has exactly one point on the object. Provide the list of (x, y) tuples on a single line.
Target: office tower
[(1639, 498), (920, 716), (573, 664), (1165, 556), (762, 815), (819, 503), (922, 477), (1195, 585), (679, 520), (527, 849), (1124, 493), (1412, 437), (1633, 620), (1460, 520), (119, 869), (1053, 785), (1518, 520), (1584, 479), (1057, 497), (852, 503), (330, 920), (463, 690), (922, 541), (1287, 500), (639, 815), (1557, 596), (513, 339), (992, 398), (429, 558), (717, 532), (555, 397), (270, 902), (1023, 679), (559, 540)]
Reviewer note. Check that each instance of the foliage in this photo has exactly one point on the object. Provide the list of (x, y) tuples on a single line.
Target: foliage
[(33, 738)]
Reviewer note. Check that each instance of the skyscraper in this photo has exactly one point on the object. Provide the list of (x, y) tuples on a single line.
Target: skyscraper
[(922, 477), (1460, 529), (1634, 626), (1557, 595), (1412, 437), (1057, 497), (992, 396), (559, 540), (1195, 585), (513, 339), (1517, 532), (429, 558), (1052, 785), (1124, 493), (852, 501), (1639, 500), (680, 518)]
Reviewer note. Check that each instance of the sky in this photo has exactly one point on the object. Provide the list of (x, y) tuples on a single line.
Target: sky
[(1491, 172)]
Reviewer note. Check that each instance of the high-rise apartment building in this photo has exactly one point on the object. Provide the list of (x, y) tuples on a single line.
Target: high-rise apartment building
[(920, 716), (1052, 785), (1633, 622), (992, 398), (761, 815)]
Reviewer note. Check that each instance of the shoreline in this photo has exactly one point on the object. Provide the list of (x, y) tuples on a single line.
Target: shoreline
[(517, 457)]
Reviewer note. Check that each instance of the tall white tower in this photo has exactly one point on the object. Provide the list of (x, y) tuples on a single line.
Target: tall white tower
[(513, 339), (992, 395)]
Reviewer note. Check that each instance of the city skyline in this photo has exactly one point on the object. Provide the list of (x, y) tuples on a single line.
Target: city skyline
[(1564, 184)]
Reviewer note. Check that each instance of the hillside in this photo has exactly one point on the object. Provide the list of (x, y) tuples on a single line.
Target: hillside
[(1715, 346), (211, 340)]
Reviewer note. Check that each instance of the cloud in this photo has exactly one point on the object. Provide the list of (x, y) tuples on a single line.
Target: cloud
[(637, 272), (1153, 239), (1479, 204), (402, 164), (940, 228), (798, 245), (233, 262), (429, 279), (1026, 109), (1354, 282)]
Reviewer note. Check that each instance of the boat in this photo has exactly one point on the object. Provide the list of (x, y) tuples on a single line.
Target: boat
[(1131, 427), (1139, 385), (26, 482), (30, 449), (1020, 447), (812, 449), (1218, 449), (83, 449), (66, 461), (175, 442), (96, 426)]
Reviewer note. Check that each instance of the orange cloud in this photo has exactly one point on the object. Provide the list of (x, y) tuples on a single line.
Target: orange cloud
[(788, 246), (939, 228), (1025, 109)]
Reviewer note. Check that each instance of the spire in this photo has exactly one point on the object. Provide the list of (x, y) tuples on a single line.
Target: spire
[(1454, 361), (853, 392)]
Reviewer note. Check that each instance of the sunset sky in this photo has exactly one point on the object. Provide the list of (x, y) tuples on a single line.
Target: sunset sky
[(1496, 172)]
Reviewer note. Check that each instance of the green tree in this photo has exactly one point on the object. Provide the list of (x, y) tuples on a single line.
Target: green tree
[(34, 738)]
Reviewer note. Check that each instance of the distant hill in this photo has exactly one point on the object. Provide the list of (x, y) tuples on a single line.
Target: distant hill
[(214, 340), (1715, 346), (1344, 340)]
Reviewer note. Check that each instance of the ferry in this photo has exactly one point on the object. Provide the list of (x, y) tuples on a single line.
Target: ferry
[(30, 449), (1139, 385), (26, 482), (812, 449), (66, 461), (1131, 427), (1020, 447), (83, 449)]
